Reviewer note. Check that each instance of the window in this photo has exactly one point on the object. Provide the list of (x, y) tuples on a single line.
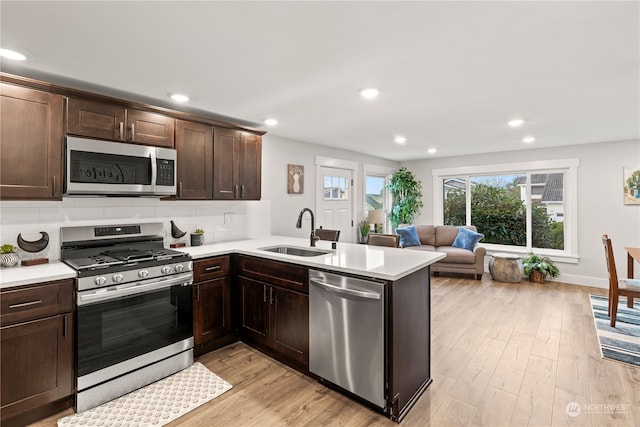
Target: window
[(335, 188), (531, 208)]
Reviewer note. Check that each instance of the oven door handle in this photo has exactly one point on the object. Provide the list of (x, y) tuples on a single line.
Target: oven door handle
[(132, 289)]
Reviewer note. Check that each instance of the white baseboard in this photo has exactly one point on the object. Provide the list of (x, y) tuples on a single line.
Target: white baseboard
[(574, 279)]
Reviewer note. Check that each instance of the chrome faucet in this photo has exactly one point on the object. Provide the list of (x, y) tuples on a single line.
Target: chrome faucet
[(313, 238)]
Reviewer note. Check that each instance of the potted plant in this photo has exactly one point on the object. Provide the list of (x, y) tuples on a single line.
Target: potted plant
[(197, 237), (364, 228), (538, 268), (406, 192), (9, 257)]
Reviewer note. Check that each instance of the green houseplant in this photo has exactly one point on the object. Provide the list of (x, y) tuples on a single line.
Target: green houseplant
[(197, 237), (364, 228), (8, 257), (539, 267), (407, 194)]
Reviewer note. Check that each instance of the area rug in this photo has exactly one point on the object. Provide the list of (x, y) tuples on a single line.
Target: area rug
[(621, 343), (157, 404)]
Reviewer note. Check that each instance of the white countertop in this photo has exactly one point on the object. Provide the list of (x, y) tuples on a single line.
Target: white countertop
[(369, 261), (18, 276), (364, 260)]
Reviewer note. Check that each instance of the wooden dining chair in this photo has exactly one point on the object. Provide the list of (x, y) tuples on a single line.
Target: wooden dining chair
[(379, 239), (628, 288), (326, 234)]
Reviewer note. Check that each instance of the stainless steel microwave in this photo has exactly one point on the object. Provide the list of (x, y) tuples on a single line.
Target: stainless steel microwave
[(103, 168)]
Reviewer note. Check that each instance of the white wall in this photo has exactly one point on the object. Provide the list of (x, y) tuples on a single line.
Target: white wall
[(220, 220), (277, 153), (600, 200)]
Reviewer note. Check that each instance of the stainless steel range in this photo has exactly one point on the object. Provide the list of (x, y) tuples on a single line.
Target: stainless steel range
[(134, 321)]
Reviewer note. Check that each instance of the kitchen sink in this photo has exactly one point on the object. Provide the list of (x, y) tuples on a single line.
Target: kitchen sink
[(294, 250)]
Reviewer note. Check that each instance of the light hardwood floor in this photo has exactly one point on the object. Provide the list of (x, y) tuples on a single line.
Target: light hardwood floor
[(502, 355)]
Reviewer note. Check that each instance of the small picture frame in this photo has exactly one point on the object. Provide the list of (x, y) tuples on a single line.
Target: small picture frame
[(295, 179), (631, 183)]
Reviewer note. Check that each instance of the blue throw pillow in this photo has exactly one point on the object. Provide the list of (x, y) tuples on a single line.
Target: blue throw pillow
[(408, 236), (466, 239)]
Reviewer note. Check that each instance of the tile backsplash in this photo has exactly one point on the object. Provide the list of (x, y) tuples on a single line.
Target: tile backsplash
[(220, 220)]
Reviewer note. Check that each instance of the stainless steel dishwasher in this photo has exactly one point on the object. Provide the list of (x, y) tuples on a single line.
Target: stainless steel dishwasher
[(346, 333)]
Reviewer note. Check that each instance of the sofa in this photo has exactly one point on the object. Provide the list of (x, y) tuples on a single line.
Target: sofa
[(440, 238)]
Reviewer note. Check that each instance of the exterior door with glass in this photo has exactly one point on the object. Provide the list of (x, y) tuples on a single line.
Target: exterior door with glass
[(335, 206)]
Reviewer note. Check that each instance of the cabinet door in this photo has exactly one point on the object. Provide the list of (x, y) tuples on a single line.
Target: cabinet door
[(250, 166), (95, 119), (254, 309), (31, 142), (148, 128), (36, 364), (212, 309), (194, 142), (289, 324), (225, 168)]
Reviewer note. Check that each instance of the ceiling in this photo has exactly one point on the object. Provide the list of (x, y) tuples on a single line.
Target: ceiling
[(450, 74)]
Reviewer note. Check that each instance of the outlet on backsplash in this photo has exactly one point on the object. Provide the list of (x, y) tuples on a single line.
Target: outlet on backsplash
[(228, 217)]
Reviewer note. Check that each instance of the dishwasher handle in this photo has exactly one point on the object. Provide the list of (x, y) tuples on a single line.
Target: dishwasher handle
[(346, 291)]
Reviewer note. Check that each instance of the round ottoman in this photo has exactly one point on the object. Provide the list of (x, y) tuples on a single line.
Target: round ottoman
[(506, 268)]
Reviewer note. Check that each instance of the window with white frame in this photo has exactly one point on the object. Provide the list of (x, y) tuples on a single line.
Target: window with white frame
[(529, 206)]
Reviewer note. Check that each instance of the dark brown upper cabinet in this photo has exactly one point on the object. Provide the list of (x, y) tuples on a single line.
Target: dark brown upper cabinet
[(31, 142), (103, 120), (194, 143), (237, 165)]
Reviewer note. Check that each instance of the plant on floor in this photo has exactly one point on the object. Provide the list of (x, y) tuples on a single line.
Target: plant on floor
[(538, 267), (406, 192)]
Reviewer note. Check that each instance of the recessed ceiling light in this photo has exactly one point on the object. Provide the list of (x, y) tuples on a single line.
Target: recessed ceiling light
[(179, 97), (515, 123), (270, 122), (10, 54), (369, 92), (400, 139), (528, 139), (432, 151)]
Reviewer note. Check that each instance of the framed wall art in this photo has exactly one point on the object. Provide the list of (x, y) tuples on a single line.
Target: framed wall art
[(631, 181), (295, 179)]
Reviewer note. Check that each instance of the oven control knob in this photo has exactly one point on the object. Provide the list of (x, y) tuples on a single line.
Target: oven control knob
[(100, 281), (118, 278), (166, 269), (143, 274), (179, 268)]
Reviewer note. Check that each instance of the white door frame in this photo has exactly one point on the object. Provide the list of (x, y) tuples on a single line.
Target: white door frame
[(339, 164)]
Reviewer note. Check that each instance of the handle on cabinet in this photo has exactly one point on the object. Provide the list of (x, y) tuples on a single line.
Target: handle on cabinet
[(242, 191), (25, 304), (133, 132), (212, 268), (180, 190), (64, 326), (264, 293), (121, 128), (271, 295), (197, 292), (53, 190), (235, 191)]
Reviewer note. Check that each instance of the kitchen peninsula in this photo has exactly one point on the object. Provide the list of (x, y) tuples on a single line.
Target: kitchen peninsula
[(242, 290)]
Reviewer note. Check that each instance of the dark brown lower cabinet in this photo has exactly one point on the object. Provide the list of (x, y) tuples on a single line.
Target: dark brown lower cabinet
[(274, 306), (212, 326), (36, 362)]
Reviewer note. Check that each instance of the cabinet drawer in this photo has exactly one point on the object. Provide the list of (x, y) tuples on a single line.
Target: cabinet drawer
[(273, 272), (211, 268), (42, 300)]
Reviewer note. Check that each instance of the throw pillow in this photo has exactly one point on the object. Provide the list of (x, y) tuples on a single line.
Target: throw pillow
[(408, 236), (467, 239)]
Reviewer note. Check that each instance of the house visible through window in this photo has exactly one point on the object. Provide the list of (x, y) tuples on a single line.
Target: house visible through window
[(335, 188), (527, 209)]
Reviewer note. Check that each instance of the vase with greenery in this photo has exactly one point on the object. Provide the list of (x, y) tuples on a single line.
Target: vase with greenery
[(8, 257), (197, 237), (364, 228), (407, 195), (633, 184), (539, 267)]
